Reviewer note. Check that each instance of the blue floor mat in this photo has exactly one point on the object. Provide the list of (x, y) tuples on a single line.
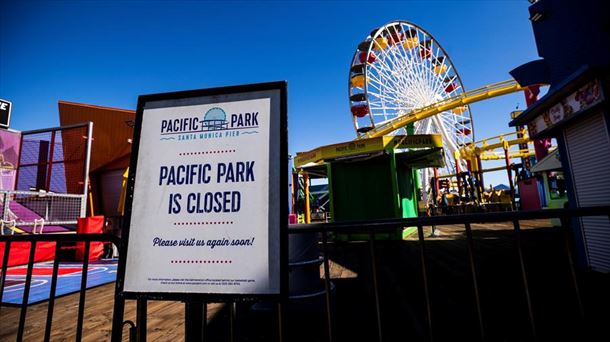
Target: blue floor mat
[(68, 280)]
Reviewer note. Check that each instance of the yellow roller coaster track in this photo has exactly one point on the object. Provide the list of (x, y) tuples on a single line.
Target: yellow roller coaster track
[(485, 144), (485, 148), (463, 99), (511, 154)]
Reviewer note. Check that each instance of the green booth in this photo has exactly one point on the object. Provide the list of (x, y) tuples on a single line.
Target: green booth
[(373, 178)]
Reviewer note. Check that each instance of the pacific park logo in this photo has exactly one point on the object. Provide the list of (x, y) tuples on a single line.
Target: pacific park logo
[(215, 123)]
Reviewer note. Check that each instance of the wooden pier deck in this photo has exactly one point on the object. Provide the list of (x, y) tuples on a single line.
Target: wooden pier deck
[(454, 317)]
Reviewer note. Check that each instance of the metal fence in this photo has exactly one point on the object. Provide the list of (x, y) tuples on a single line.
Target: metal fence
[(372, 228), (55, 159), (61, 241), (379, 227), (29, 208)]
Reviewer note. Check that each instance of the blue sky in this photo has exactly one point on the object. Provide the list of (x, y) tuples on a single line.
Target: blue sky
[(109, 52)]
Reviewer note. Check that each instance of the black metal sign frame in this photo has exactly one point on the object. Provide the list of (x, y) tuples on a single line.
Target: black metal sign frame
[(278, 103)]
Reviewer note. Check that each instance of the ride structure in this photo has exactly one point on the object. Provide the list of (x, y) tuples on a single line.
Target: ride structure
[(470, 181), (401, 83), (400, 68)]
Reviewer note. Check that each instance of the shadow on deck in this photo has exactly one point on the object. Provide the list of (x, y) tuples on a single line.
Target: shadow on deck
[(453, 306)]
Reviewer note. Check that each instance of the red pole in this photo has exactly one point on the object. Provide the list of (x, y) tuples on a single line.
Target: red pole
[(541, 146)]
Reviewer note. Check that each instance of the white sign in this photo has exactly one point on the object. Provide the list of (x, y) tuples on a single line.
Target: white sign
[(205, 211)]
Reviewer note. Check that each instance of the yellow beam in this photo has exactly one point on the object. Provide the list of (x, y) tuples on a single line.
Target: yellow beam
[(472, 150), (484, 170), (492, 169), (501, 136), (501, 144), (511, 155), (465, 98), (499, 168)]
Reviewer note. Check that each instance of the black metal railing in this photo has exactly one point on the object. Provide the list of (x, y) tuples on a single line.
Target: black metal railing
[(372, 228), (388, 225), (61, 241), (378, 227)]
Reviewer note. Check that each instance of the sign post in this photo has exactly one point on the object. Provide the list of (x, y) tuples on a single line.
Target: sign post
[(206, 219)]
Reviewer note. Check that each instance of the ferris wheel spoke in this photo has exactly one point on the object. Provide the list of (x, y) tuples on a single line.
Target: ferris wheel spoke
[(411, 63), (420, 56), (377, 98), (411, 72), (384, 97), (377, 105), (447, 137), (436, 54), (387, 59), (386, 62), (406, 60), (386, 70), (388, 93), (449, 145), (394, 54), (428, 127), (384, 77)]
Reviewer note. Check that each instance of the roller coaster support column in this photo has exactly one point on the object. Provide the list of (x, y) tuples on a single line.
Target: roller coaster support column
[(510, 176), (481, 185), (476, 170), (457, 173), (307, 204)]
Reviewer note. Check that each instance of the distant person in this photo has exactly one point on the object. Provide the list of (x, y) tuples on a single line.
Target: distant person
[(523, 174)]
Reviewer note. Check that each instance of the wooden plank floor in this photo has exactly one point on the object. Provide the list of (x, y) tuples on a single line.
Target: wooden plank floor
[(401, 295), (165, 319)]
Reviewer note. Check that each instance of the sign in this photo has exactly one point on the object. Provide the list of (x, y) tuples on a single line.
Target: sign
[(5, 113), (370, 145), (206, 217), (582, 99)]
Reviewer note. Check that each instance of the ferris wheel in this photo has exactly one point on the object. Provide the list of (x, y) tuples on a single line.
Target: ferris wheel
[(399, 68)]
